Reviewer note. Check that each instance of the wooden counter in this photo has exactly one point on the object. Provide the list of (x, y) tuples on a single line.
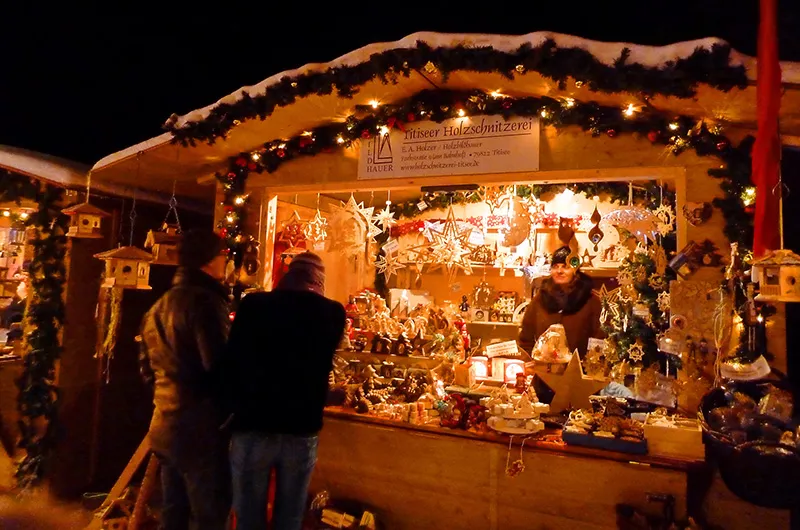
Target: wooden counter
[(428, 477)]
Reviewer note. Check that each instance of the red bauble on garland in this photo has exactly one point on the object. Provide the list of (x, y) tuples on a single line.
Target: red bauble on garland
[(653, 136), (252, 166), (411, 117), (281, 153), (723, 144), (365, 134), (304, 141), (507, 104), (611, 133), (241, 162)]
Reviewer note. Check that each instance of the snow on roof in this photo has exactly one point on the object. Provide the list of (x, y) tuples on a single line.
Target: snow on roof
[(605, 52), (42, 166)]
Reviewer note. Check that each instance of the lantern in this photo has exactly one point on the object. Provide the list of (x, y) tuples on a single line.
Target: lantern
[(512, 367), (778, 276), (85, 221), (164, 244), (126, 267)]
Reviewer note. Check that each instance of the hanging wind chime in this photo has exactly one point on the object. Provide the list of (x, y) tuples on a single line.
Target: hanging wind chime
[(85, 219)]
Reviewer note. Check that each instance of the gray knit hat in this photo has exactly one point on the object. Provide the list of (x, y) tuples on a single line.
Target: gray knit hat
[(305, 268)]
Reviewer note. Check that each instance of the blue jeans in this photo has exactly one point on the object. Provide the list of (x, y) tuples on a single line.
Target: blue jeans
[(253, 456)]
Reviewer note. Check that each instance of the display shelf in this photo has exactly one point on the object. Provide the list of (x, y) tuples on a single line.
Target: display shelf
[(483, 323), (400, 360)]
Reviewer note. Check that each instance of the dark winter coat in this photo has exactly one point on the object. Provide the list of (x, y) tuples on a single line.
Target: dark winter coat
[(576, 308), (280, 355), (183, 339)]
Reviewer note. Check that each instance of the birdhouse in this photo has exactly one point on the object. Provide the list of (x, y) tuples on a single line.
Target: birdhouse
[(164, 244), (778, 276), (85, 220), (126, 267)]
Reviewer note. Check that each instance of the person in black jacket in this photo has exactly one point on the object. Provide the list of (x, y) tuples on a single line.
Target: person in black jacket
[(183, 338), (280, 351)]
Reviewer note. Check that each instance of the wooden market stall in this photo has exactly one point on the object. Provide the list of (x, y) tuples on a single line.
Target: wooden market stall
[(439, 168)]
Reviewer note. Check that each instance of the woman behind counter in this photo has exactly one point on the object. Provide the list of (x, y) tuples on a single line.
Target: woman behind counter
[(565, 298)]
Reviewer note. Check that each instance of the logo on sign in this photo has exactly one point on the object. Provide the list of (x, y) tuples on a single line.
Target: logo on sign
[(381, 150)]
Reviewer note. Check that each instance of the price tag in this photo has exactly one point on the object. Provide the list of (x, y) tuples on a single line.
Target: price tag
[(503, 349), (391, 246), (422, 206)]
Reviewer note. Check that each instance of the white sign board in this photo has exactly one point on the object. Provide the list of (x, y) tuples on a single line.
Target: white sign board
[(459, 146), (503, 349)]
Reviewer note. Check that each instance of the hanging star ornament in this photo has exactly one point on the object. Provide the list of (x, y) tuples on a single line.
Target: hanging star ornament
[(388, 264), (636, 352), (573, 387), (450, 248), (586, 259), (352, 228), (385, 219), (293, 230), (316, 230)]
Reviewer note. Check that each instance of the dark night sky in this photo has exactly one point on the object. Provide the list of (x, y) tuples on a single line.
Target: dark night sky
[(84, 84)]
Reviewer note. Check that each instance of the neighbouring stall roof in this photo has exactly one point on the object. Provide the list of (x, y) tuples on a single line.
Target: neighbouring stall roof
[(159, 160), (71, 175)]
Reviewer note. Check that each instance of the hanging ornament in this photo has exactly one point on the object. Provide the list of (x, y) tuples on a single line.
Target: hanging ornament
[(483, 254), (697, 213), (663, 301), (566, 230), (352, 228), (595, 234), (653, 136), (483, 295), (666, 218), (293, 230), (451, 248), (625, 277), (586, 259), (385, 218), (639, 222), (657, 282), (660, 258), (778, 276), (495, 196), (636, 352), (519, 224), (388, 264), (316, 230)]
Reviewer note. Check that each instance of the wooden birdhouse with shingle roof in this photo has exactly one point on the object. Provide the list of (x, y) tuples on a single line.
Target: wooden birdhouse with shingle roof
[(778, 276), (163, 244), (126, 267), (85, 220)]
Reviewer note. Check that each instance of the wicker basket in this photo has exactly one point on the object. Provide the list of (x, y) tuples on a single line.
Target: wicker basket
[(763, 473)]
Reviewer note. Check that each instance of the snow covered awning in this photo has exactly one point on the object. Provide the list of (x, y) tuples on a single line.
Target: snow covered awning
[(158, 161)]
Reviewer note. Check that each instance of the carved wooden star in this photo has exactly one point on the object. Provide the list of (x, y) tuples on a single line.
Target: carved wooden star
[(385, 219), (451, 248), (388, 264), (293, 230), (586, 259), (573, 387), (316, 230)]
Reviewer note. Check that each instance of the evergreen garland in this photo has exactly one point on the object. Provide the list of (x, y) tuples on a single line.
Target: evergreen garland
[(37, 400), (679, 78)]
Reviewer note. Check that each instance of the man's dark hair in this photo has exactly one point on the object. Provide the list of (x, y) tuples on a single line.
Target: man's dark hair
[(198, 247)]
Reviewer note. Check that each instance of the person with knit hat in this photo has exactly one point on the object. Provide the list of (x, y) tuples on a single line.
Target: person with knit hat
[(565, 298), (183, 338), (280, 353)]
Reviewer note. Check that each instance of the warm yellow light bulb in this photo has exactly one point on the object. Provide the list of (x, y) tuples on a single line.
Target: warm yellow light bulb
[(384, 130), (543, 114), (6, 213), (24, 215), (461, 113), (255, 157), (496, 94), (673, 126), (339, 140), (629, 110), (760, 318), (374, 103), (239, 200), (229, 219), (749, 195), (569, 103)]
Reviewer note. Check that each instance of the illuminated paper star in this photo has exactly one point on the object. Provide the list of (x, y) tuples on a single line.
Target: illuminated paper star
[(385, 219), (388, 265), (293, 230), (316, 230), (451, 248)]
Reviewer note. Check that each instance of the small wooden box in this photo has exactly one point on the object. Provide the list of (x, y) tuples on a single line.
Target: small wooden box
[(685, 440)]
